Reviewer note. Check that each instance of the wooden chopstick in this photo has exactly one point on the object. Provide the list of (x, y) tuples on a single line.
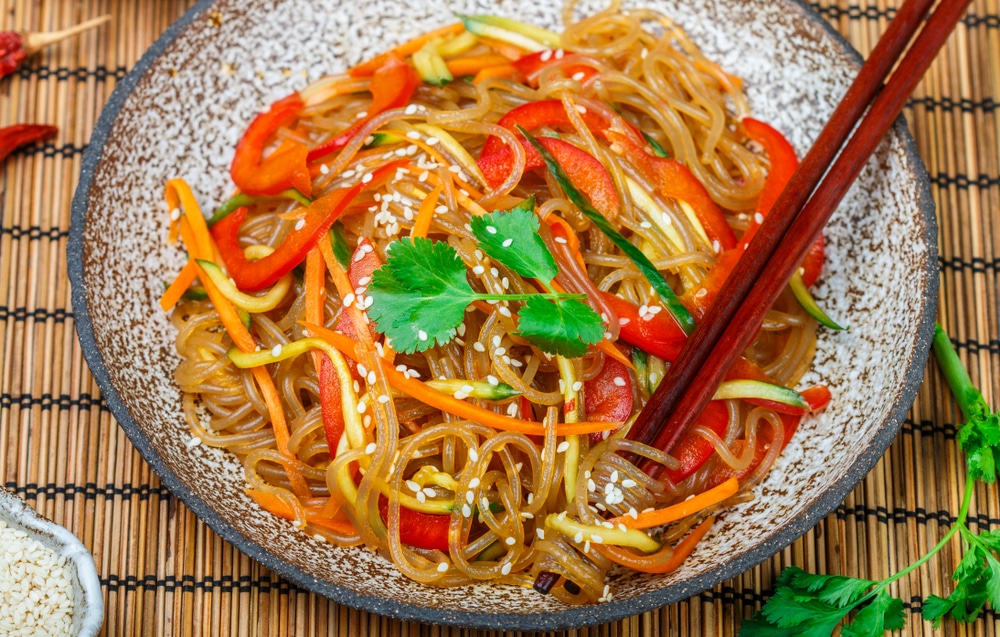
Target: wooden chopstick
[(783, 239)]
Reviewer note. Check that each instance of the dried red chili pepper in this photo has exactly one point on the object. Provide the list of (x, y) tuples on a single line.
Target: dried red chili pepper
[(16, 46), (18, 135)]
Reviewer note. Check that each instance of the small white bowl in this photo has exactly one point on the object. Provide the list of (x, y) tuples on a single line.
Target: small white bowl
[(88, 603)]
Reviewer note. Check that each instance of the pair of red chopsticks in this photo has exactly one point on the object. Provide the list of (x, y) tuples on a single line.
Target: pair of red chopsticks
[(795, 221)]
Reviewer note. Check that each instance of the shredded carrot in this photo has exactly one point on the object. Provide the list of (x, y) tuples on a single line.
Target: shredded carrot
[(509, 51), (405, 49), (426, 213), (181, 283), (243, 340), (474, 64), (465, 200), (681, 510), (273, 504), (501, 70), (440, 400), (686, 546), (315, 292), (178, 193)]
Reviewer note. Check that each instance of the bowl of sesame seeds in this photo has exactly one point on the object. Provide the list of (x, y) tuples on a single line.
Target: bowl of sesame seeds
[(48, 581)]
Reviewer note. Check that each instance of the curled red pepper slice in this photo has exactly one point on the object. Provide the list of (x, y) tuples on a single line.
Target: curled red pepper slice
[(543, 113), (674, 180), (584, 170), (607, 397), (416, 528), (256, 275), (532, 64), (392, 85), (784, 163), (284, 168), (363, 263)]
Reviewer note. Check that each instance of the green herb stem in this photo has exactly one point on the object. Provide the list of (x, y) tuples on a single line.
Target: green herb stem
[(968, 397)]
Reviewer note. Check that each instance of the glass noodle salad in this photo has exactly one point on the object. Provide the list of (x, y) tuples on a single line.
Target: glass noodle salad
[(452, 276)]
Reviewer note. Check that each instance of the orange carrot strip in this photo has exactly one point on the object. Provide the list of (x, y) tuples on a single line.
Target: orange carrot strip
[(407, 48), (181, 283), (686, 546), (243, 340), (688, 507), (426, 213), (501, 70), (178, 193), (315, 291), (273, 504), (474, 64), (509, 51), (665, 560), (440, 400)]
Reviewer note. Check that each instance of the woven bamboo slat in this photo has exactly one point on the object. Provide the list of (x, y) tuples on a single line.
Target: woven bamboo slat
[(165, 573)]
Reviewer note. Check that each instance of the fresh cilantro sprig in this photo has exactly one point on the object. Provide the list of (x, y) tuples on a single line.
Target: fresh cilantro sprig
[(813, 605), (419, 296)]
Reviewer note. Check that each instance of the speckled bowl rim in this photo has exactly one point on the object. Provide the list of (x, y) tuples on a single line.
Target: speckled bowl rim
[(88, 603), (572, 617)]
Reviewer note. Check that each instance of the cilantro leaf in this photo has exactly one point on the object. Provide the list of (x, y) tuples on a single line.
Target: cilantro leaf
[(969, 595), (420, 294), (563, 327), (837, 590), (511, 237), (883, 613), (980, 439)]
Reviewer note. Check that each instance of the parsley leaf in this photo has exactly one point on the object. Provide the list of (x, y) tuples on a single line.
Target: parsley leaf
[(885, 612), (813, 605), (512, 239), (419, 294), (564, 327)]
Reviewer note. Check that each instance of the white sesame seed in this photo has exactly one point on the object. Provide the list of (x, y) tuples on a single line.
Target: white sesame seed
[(545, 56), (492, 380), (614, 476), (579, 75), (175, 214), (422, 335), (301, 223), (366, 178), (362, 407), (276, 350), (577, 386), (510, 541), (540, 532), (411, 109), (563, 447), (442, 567), (412, 486), (421, 498), (505, 569), (473, 455), (580, 108), (491, 229), (578, 537), (193, 442), (479, 347), (432, 141), (470, 497), (370, 449), (619, 381), (507, 242), (466, 511), (478, 270), (628, 483)]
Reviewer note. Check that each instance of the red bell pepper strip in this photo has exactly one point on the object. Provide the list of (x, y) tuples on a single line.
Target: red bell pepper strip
[(673, 179), (363, 263), (392, 86), (693, 451), (584, 170), (259, 274), (13, 137), (543, 113), (783, 165), (416, 528), (607, 397), (283, 169), (532, 64), (657, 334)]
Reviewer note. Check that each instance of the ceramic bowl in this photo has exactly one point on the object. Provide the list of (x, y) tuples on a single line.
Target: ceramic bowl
[(180, 112), (88, 602)]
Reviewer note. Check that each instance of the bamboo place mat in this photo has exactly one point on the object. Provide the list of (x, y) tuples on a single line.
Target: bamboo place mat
[(164, 572)]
